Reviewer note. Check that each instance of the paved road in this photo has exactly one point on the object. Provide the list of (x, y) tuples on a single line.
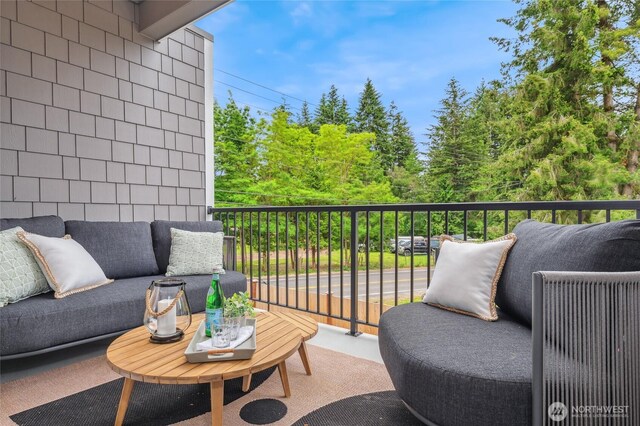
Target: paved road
[(388, 280)]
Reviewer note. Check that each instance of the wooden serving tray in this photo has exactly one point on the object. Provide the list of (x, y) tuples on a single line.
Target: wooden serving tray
[(242, 351)]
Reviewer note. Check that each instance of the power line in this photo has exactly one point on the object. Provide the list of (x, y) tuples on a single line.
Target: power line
[(255, 94), (263, 86), (252, 106), (246, 91)]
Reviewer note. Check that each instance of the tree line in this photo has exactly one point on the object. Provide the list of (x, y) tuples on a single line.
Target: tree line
[(562, 123), (328, 156)]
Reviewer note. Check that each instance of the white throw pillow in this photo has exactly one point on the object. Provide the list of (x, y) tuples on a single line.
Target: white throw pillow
[(65, 263), (466, 276), (20, 275), (195, 253)]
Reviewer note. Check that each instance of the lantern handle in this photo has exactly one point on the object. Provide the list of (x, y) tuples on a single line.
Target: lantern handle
[(150, 310)]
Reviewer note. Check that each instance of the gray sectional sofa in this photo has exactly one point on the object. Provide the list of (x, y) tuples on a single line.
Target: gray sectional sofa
[(132, 253), (452, 369)]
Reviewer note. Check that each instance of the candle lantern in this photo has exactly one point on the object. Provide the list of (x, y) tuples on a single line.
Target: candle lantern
[(167, 314)]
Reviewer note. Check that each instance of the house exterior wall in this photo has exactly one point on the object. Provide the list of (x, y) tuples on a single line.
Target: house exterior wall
[(97, 121)]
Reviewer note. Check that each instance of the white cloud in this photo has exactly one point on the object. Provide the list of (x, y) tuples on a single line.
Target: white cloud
[(301, 10)]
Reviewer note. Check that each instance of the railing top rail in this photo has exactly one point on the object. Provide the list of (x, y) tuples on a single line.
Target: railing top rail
[(454, 207)]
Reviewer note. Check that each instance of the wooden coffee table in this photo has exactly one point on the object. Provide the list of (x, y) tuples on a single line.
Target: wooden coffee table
[(308, 328), (134, 357)]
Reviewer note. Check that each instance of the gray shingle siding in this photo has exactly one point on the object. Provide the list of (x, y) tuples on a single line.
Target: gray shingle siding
[(97, 122)]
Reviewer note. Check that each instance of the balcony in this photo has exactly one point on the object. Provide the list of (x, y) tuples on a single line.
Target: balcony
[(301, 258), (104, 108), (332, 263)]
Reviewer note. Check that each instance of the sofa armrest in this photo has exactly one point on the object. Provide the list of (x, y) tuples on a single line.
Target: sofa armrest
[(585, 338), (229, 253)]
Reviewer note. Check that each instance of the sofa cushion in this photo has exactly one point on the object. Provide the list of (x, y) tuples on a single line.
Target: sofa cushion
[(68, 267), (599, 247), (195, 253), (466, 276), (122, 249), (20, 275), (455, 370), (49, 226), (42, 322), (161, 233)]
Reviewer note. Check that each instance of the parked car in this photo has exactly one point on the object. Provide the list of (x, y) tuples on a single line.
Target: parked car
[(419, 247), (392, 242)]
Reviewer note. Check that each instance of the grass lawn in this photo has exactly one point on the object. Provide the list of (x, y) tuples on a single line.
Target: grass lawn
[(388, 262)]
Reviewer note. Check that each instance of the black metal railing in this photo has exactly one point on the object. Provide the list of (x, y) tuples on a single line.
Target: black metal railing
[(352, 263)]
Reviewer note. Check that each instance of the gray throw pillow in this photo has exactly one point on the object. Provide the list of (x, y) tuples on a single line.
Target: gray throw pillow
[(161, 234), (195, 253), (598, 247)]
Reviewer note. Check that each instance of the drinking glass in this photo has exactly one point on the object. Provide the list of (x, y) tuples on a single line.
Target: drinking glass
[(220, 335), (234, 326)]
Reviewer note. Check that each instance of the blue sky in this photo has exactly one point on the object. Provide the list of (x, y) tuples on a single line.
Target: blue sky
[(410, 49)]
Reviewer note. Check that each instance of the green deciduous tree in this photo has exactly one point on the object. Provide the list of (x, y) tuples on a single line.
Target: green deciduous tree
[(236, 158)]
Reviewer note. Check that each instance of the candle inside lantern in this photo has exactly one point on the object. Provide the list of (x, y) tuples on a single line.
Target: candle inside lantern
[(166, 322)]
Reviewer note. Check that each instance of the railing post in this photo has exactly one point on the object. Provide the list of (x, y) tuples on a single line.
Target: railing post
[(353, 326)]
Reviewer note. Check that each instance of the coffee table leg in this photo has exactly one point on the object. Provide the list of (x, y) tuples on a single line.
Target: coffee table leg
[(246, 383), (305, 358), (217, 399), (124, 400), (282, 368)]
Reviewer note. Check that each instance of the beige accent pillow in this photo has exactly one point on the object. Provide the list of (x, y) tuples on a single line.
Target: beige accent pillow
[(68, 267), (20, 275), (195, 253), (466, 276)]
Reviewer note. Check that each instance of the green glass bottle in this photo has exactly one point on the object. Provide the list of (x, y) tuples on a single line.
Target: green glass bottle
[(215, 301)]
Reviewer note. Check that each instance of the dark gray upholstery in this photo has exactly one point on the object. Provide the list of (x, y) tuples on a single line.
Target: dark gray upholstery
[(453, 369), (122, 249), (602, 247), (42, 322), (161, 233), (49, 226)]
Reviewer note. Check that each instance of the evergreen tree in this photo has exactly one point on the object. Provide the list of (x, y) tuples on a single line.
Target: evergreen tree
[(342, 115), (401, 141), (371, 117), (564, 60), (332, 109), (405, 179), (304, 117), (454, 159)]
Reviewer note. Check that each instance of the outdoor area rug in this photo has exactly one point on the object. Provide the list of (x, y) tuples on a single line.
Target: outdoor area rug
[(342, 390)]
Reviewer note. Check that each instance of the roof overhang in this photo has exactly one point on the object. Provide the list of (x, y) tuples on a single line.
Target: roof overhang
[(159, 18)]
